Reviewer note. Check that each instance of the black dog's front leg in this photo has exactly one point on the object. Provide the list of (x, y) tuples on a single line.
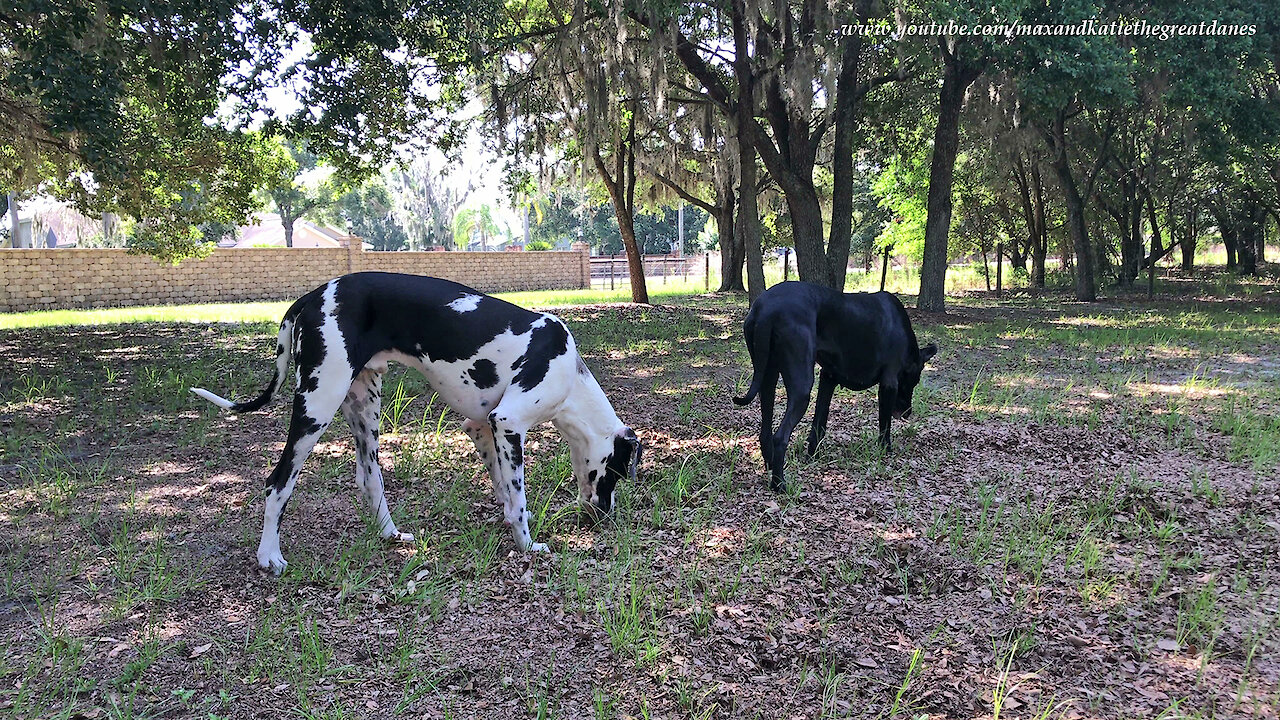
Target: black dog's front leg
[(888, 398), (817, 431)]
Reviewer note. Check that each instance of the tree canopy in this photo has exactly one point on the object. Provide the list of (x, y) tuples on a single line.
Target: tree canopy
[(1094, 137), (163, 111)]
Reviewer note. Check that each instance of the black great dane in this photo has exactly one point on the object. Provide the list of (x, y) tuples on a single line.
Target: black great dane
[(504, 368), (859, 340)]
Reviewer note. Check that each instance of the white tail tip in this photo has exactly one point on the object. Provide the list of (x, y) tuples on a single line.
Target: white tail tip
[(221, 402)]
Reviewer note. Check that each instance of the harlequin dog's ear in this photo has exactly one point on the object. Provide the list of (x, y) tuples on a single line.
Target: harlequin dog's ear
[(629, 435)]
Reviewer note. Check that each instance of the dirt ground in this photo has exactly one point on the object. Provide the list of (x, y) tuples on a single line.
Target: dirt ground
[(1081, 520)]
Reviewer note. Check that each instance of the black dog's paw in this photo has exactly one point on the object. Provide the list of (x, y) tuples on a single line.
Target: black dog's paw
[(778, 485)]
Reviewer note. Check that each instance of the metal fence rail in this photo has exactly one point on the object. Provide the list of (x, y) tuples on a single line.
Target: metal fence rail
[(612, 271)]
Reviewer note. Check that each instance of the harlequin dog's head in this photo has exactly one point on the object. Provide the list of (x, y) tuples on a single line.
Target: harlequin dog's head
[(608, 461)]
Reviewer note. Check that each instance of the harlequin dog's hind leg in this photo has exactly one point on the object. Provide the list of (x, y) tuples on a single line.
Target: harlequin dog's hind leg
[(312, 413), (508, 426), (363, 412), (482, 435)]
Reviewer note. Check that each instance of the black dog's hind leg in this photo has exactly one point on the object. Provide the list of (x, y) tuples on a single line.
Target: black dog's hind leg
[(767, 392), (888, 398), (799, 386), (826, 388)]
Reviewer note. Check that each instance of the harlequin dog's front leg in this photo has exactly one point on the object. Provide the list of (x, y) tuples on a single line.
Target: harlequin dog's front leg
[(508, 439)]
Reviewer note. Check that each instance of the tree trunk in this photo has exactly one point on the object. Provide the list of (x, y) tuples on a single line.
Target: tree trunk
[(946, 144), (986, 267), (287, 219), (626, 226), (1157, 240), (1252, 219), (1032, 191), (1127, 225), (1018, 254), (1116, 212), (621, 186), (1227, 228), (1038, 234), (1261, 252), (748, 224), (13, 221), (844, 120), (1085, 285), (731, 252), (1189, 242), (1134, 251), (806, 233)]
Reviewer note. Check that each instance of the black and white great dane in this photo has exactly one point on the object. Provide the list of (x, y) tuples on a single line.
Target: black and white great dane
[(504, 368), (859, 340)]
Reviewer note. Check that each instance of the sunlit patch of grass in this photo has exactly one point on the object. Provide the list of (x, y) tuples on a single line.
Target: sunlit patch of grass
[(629, 618), (144, 573), (256, 312), (1254, 433), (199, 313)]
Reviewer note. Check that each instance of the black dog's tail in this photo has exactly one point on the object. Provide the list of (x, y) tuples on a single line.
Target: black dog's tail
[(759, 360), (284, 353)]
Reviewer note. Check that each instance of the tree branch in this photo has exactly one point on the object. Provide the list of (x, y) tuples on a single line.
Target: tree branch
[(688, 197)]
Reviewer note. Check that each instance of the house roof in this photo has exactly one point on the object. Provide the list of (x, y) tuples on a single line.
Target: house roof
[(269, 232)]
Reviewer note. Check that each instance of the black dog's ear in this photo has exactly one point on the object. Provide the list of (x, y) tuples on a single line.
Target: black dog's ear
[(927, 352)]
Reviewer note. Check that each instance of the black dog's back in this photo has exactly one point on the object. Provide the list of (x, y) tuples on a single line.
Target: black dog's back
[(859, 340), (788, 310)]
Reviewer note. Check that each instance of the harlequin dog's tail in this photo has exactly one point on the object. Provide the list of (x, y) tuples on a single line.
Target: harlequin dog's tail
[(284, 353), (759, 360)]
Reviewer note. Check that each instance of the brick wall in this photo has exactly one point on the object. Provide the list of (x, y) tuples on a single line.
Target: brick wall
[(54, 279), (490, 271)]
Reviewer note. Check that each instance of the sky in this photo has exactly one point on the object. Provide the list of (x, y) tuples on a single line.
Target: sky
[(479, 166)]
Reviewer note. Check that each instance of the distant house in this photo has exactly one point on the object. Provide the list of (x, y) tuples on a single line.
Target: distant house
[(44, 222), (269, 232), (496, 245)]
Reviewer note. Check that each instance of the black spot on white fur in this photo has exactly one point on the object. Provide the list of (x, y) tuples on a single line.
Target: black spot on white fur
[(546, 344), (484, 373), (517, 452)]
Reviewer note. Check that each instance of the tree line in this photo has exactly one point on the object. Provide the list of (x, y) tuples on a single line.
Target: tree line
[(826, 127)]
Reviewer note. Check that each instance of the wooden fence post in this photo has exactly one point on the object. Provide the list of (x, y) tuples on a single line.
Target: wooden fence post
[(1151, 276), (786, 264), (884, 266), (999, 267)]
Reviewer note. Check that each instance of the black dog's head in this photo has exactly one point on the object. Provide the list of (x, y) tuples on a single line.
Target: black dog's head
[(599, 481), (909, 377)]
